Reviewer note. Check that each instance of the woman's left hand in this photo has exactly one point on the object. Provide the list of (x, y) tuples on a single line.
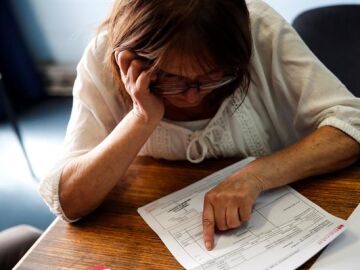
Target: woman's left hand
[(229, 204)]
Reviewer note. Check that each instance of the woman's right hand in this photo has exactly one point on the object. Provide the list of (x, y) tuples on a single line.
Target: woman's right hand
[(136, 78)]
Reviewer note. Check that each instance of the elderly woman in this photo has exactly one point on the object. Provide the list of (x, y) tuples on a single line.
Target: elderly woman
[(199, 79)]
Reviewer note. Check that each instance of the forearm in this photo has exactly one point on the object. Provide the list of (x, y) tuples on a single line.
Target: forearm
[(325, 150), (86, 181)]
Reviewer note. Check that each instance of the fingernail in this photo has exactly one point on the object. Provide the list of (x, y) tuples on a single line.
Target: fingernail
[(208, 245)]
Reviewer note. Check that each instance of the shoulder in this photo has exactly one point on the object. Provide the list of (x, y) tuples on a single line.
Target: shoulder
[(94, 56), (95, 85), (266, 23), (98, 45), (261, 12), (94, 70)]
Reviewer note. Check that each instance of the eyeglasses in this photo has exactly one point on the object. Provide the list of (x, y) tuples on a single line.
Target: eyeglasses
[(181, 85), (165, 87)]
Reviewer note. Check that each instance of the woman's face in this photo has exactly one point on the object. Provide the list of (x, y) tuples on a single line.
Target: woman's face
[(182, 69)]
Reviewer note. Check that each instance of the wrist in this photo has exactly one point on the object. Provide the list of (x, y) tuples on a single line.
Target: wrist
[(259, 182), (144, 118), (257, 171)]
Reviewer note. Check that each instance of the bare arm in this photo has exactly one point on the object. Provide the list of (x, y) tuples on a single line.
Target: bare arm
[(326, 150), (230, 203), (87, 180)]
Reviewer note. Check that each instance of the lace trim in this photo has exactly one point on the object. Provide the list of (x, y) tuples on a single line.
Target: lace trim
[(161, 141), (216, 139), (238, 106)]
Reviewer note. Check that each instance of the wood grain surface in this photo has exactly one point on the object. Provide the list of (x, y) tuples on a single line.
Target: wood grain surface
[(116, 235)]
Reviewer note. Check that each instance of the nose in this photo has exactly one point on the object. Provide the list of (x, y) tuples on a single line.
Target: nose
[(192, 95)]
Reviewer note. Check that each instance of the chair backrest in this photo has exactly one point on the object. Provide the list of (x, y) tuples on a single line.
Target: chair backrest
[(333, 34)]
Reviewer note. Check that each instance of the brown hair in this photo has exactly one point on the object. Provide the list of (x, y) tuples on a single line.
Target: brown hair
[(207, 30)]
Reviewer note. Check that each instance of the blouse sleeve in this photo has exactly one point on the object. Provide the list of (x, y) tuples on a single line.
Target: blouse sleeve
[(304, 89), (96, 110)]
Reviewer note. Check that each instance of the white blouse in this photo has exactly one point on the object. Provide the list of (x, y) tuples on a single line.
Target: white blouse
[(291, 94)]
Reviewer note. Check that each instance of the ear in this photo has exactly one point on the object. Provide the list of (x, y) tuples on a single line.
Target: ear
[(116, 55)]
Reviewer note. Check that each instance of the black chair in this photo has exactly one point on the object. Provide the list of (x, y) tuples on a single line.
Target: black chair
[(333, 34)]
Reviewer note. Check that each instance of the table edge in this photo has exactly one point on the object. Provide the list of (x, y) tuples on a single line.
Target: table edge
[(36, 243)]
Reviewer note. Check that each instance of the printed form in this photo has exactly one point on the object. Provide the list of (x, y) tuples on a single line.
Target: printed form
[(285, 230)]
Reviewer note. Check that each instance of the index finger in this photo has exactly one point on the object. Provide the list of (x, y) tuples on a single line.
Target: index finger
[(208, 224)]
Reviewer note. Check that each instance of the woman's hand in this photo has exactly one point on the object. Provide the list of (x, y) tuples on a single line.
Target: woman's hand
[(136, 78), (229, 204)]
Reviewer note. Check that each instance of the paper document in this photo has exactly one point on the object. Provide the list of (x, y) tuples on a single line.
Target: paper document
[(285, 229), (344, 252)]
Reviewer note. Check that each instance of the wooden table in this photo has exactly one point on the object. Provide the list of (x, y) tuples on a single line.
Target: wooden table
[(117, 236)]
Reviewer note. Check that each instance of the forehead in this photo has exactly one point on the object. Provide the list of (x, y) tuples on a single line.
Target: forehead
[(185, 65)]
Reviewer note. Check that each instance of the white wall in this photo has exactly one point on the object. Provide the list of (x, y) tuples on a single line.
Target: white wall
[(58, 30)]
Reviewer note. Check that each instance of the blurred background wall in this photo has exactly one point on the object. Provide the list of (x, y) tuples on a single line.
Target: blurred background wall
[(58, 30)]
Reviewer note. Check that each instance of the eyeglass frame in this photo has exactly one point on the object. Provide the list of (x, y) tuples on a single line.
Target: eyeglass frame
[(190, 85), (226, 80)]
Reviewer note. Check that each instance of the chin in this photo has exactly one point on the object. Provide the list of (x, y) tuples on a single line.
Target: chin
[(183, 104)]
